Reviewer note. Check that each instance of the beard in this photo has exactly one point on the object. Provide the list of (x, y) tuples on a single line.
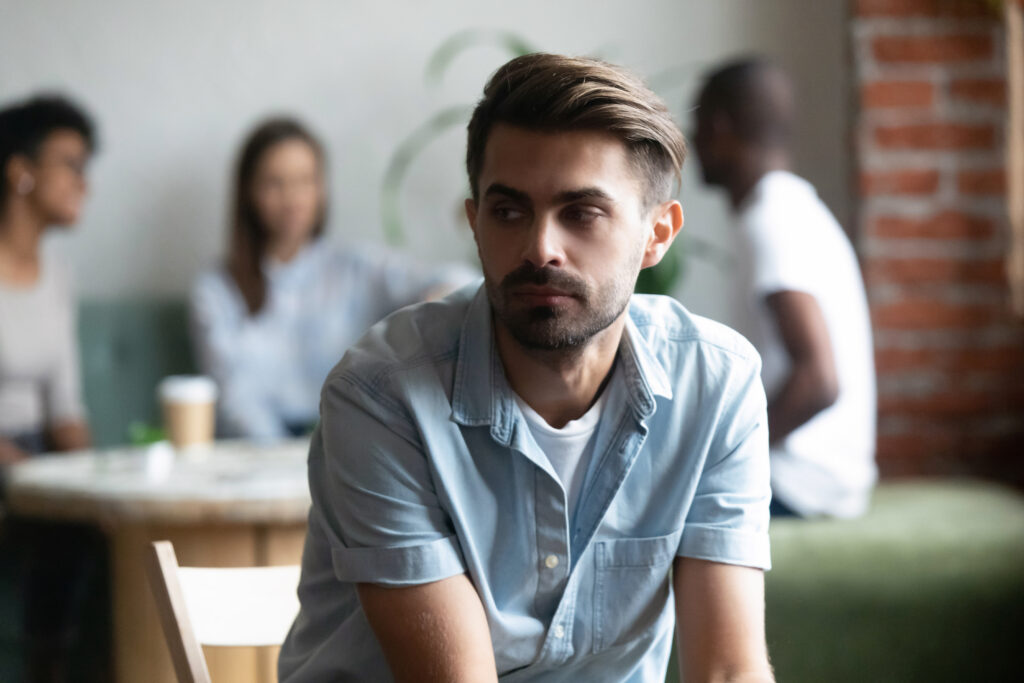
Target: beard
[(561, 327)]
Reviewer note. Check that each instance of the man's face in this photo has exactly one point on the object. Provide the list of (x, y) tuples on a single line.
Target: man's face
[(561, 233)]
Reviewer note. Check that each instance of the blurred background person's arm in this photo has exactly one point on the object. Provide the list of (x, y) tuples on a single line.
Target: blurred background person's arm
[(812, 384), (400, 280), (10, 453)]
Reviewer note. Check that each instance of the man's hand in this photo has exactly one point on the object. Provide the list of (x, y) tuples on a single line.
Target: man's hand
[(813, 384), (432, 632), (720, 622)]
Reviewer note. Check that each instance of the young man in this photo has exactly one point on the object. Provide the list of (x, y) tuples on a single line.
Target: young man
[(804, 292), (514, 482)]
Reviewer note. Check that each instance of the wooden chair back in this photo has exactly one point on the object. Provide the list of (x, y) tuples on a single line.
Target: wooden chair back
[(238, 606)]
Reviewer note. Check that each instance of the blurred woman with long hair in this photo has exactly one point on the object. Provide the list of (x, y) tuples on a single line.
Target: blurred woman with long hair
[(271, 321)]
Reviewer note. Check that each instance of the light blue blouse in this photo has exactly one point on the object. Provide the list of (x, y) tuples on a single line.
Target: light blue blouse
[(269, 367)]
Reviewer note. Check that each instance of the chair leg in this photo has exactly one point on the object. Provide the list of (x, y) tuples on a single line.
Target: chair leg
[(186, 653)]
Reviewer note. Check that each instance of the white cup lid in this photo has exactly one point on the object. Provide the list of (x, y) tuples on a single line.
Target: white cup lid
[(187, 389)]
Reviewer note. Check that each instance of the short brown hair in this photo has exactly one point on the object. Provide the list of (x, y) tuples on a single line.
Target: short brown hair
[(554, 93)]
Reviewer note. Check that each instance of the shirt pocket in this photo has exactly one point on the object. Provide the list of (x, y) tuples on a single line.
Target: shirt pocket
[(631, 586)]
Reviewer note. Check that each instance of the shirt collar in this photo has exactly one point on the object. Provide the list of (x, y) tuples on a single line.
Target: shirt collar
[(482, 396), (644, 373)]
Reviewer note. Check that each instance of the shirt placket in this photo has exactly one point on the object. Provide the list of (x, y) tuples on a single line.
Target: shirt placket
[(554, 566)]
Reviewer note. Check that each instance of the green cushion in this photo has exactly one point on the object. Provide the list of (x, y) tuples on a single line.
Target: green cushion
[(126, 348), (929, 586)]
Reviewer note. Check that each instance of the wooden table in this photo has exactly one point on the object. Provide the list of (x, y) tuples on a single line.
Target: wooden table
[(227, 505)]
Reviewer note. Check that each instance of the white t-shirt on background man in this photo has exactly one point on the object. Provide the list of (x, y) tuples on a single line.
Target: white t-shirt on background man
[(789, 241)]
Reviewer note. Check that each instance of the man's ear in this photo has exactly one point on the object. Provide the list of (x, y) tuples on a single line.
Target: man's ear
[(471, 214), (668, 219), (17, 168)]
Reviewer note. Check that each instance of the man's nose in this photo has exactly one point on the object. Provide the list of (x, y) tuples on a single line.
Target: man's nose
[(544, 244)]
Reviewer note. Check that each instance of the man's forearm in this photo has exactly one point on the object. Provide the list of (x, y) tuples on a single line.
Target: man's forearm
[(434, 632), (747, 677), (766, 677)]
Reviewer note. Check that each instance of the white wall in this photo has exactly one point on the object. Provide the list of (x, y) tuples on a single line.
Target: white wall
[(175, 86)]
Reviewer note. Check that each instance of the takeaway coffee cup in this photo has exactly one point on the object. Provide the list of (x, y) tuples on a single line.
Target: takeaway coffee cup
[(189, 408)]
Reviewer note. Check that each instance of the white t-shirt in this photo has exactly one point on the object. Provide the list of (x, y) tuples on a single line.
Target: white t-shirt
[(790, 241), (568, 449)]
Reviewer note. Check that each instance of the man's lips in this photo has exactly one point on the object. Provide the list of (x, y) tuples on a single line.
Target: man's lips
[(541, 296)]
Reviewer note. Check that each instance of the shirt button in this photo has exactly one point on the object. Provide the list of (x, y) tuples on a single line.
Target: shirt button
[(559, 631), (551, 561)]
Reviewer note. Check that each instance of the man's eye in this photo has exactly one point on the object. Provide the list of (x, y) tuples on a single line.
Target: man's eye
[(506, 213), (580, 215)]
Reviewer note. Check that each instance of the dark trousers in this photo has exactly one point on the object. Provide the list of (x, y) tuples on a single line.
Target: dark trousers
[(779, 509), (62, 570)]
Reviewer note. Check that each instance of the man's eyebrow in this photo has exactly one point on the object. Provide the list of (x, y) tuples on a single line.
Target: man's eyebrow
[(510, 192), (565, 197), (583, 193)]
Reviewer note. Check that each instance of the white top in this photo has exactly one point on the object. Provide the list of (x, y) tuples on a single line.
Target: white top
[(269, 367), (39, 373), (568, 449), (791, 242)]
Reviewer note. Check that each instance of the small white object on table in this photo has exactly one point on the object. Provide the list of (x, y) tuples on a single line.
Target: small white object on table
[(233, 503)]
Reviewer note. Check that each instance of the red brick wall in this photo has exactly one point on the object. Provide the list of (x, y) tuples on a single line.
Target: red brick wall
[(933, 234)]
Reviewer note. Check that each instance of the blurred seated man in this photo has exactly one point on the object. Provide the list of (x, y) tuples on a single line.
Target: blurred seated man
[(804, 292), (45, 145), (515, 482)]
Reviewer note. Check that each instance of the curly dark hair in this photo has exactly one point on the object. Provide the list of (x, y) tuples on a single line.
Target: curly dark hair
[(25, 125)]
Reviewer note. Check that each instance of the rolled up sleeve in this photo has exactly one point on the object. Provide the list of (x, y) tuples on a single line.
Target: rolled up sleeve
[(728, 520), (373, 493)]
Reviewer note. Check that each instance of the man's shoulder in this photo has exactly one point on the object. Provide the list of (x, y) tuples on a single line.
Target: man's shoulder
[(669, 329), (424, 334)]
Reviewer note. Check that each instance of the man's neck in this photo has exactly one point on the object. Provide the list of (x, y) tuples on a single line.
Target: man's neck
[(560, 385), (750, 171), (20, 234)]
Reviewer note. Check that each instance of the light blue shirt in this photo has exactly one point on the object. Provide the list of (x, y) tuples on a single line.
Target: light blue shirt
[(423, 467), (270, 366)]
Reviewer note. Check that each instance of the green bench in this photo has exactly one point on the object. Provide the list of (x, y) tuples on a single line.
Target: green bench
[(928, 586), (126, 347)]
